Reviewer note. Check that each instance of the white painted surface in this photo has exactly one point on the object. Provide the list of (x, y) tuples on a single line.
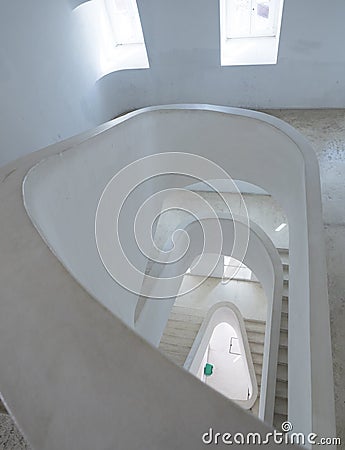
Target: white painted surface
[(73, 379), (260, 207), (226, 186), (185, 65), (293, 164), (49, 63), (249, 297), (231, 378)]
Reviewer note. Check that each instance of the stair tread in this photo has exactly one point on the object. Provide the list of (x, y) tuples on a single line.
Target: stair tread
[(278, 419), (281, 405)]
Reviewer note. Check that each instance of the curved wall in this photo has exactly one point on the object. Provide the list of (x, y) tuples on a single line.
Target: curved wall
[(262, 258), (252, 147)]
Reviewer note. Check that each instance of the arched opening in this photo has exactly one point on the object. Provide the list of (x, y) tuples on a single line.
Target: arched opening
[(231, 280), (221, 358), (224, 367)]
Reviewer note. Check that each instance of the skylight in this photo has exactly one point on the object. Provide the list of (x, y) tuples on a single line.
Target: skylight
[(122, 36), (235, 270), (124, 21), (250, 31)]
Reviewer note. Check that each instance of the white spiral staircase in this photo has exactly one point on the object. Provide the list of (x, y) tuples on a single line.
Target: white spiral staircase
[(183, 326), (75, 375)]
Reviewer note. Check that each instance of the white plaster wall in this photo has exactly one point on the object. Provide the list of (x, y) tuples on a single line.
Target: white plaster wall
[(231, 378), (249, 297), (48, 66), (205, 342), (49, 62), (183, 45), (263, 210), (293, 169)]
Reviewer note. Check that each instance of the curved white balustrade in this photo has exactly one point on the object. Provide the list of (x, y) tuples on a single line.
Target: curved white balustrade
[(261, 257), (79, 378)]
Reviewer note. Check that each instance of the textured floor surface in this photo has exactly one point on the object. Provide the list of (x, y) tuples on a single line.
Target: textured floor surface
[(10, 438), (325, 129)]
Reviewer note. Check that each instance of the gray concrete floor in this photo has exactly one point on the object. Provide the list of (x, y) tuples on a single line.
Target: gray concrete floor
[(325, 129)]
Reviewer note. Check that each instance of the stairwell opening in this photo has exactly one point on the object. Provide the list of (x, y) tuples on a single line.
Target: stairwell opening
[(229, 374)]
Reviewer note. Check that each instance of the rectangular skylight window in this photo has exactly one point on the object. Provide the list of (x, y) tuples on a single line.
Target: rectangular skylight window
[(281, 226), (123, 45), (250, 31), (235, 270), (125, 21)]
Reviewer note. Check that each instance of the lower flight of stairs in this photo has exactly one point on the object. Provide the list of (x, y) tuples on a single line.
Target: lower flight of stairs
[(256, 336), (183, 326), (281, 404), (179, 334)]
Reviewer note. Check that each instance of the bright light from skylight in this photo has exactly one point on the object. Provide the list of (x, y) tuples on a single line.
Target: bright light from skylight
[(235, 269), (125, 21), (281, 226), (250, 31), (123, 45)]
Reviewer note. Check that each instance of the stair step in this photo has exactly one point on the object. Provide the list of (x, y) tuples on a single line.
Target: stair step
[(281, 406), (283, 339), (285, 305), (256, 347), (185, 319), (181, 325), (176, 333), (257, 369), (255, 336), (282, 389), (256, 341), (186, 311), (286, 292), (282, 358), (174, 348), (284, 255), (282, 372), (284, 322), (255, 325), (283, 355), (257, 358), (278, 419)]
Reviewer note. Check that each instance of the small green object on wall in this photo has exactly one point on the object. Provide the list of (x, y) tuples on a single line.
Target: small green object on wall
[(208, 369)]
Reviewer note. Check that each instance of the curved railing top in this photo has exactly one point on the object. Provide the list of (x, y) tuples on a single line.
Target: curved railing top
[(62, 336)]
